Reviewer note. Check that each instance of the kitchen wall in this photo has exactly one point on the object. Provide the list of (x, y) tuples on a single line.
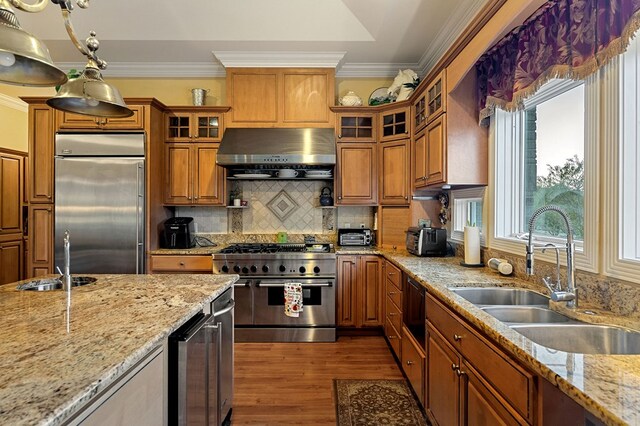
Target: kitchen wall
[(13, 125)]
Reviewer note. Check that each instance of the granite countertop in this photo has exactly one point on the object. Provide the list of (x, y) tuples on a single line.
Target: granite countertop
[(48, 373), (608, 386)]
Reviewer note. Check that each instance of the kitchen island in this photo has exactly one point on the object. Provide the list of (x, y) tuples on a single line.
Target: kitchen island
[(55, 360)]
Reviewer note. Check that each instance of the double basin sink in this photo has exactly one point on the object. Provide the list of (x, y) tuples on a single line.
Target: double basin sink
[(528, 313), (47, 284)]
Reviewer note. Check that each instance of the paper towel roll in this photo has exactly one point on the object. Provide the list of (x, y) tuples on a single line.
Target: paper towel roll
[(471, 245)]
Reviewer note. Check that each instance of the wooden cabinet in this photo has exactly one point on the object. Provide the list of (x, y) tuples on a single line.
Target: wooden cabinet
[(420, 112), (11, 261), (11, 181), (430, 154), (436, 96), (357, 180), (194, 124), (394, 172), (359, 297), (280, 97), (413, 363), (355, 126), (68, 120), (467, 376), (41, 152), (192, 175), (392, 279), (188, 264), (394, 124), (40, 239)]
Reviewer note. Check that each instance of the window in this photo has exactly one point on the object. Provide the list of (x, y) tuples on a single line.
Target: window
[(467, 209), (544, 155)]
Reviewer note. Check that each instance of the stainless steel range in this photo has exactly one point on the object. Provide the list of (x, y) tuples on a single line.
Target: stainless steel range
[(259, 294)]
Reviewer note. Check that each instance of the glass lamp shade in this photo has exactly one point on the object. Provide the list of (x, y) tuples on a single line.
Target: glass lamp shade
[(90, 95), (25, 60)]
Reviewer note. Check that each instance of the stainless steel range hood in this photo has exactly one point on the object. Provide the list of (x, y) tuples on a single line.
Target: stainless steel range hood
[(277, 147)]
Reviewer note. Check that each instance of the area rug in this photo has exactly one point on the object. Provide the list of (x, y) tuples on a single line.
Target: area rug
[(376, 402)]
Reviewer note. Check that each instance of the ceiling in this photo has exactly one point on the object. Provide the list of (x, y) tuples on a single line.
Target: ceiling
[(197, 38)]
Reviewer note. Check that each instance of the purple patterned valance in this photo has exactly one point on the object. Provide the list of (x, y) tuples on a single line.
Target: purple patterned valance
[(563, 39)]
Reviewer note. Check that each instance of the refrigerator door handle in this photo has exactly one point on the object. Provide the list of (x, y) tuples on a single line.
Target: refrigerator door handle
[(140, 218)]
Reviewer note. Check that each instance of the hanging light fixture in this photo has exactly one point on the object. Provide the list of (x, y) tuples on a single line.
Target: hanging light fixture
[(87, 94)]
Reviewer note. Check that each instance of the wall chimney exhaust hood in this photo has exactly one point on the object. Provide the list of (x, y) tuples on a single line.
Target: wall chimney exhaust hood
[(277, 147)]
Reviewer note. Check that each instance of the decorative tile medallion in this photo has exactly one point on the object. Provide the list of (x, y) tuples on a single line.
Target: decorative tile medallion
[(282, 205)]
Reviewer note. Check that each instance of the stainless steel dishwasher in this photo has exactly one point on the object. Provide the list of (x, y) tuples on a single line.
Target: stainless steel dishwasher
[(200, 382)]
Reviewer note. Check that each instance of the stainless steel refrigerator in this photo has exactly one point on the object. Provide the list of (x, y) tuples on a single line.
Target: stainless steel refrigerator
[(100, 199)]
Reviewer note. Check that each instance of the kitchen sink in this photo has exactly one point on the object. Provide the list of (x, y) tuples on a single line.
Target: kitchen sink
[(501, 296), (47, 284), (526, 314), (583, 338)]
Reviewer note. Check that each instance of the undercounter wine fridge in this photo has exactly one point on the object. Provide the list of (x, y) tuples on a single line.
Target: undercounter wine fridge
[(100, 199)]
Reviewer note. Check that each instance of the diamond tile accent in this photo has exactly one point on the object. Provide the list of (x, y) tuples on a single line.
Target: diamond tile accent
[(282, 205)]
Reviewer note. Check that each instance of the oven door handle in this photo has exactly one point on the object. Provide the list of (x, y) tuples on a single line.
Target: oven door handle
[(260, 284), (244, 284)]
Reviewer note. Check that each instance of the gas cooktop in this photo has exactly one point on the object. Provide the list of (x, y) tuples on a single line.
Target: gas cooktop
[(266, 248)]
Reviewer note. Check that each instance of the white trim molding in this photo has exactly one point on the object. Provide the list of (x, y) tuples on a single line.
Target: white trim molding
[(13, 103), (275, 59), (155, 69)]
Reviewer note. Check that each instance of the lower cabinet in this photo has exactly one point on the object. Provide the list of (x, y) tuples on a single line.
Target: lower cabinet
[(359, 298), (187, 264), (11, 258), (40, 240), (413, 363), (469, 380), (393, 306)]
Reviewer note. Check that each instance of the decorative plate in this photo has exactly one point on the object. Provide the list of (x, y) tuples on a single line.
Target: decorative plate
[(379, 96)]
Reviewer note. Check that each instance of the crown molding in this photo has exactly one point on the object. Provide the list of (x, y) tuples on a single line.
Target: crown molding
[(451, 30), (156, 69), (372, 70), (275, 59), (13, 103)]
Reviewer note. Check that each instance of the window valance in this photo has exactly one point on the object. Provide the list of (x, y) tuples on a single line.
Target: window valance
[(563, 39)]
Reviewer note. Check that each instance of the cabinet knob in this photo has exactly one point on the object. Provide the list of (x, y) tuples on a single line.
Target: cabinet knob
[(455, 367), (410, 362), (196, 136), (406, 198), (189, 197), (457, 337), (195, 197), (181, 263), (460, 373), (339, 198), (340, 136)]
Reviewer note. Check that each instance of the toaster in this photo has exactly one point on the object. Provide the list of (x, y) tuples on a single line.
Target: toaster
[(355, 237), (178, 233), (427, 241)]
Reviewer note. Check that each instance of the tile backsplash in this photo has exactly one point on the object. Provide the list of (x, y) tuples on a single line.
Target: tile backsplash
[(207, 220)]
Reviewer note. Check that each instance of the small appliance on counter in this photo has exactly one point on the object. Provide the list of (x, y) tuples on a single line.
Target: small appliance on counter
[(355, 237), (178, 233), (427, 241)]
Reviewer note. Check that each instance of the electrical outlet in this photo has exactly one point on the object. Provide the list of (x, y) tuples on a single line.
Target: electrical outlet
[(195, 227), (347, 225), (362, 225)]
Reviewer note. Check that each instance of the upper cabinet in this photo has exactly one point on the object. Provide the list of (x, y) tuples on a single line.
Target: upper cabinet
[(194, 124), (355, 126), (68, 120), (436, 96), (11, 181), (280, 97), (394, 124)]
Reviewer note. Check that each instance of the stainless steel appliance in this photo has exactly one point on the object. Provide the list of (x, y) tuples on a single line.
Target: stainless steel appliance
[(200, 379), (427, 241), (259, 294), (355, 237), (100, 199)]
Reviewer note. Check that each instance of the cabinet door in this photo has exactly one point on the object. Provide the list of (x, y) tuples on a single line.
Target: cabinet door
[(209, 177), (357, 177), (40, 240), (252, 94), (420, 112), (370, 297), (436, 96), (347, 291), (207, 127), (178, 127), (10, 262), (10, 194), (356, 128), (69, 120), (134, 122), (394, 167), (443, 390), (41, 153), (394, 124), (413, 363), (306, 97), (436, 151), (178, 170), (420, 161)]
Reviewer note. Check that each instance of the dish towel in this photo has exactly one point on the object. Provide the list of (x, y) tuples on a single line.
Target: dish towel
[(292, 299)]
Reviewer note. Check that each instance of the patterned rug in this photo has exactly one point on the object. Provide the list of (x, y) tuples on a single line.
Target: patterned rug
[(376, 402)]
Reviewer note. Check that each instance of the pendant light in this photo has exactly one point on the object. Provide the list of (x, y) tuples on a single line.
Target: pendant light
[(24, 60)]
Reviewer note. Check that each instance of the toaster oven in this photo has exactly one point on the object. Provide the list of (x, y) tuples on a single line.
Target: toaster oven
[(355, 237), (427, 241)]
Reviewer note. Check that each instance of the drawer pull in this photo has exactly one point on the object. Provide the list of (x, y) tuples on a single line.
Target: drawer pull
[(393, 337), (457, 337), (392, 273), (410, 362), (392, 314), (391, 293), (455, 367), (460, 373)]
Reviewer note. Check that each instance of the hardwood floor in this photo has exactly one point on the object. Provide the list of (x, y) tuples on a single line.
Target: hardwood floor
[(292, 383)]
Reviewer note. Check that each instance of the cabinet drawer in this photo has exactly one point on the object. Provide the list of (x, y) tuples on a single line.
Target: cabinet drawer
[(394, 337), (392, 292), (413, 360), (394, 313), (394, 274), (182, 264), (513, 383)]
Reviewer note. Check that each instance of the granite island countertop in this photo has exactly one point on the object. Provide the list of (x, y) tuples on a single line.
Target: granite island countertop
[(48, 373)]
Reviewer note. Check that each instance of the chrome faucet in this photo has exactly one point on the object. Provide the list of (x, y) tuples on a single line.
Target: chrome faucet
[(66, 277), (557, 294)]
